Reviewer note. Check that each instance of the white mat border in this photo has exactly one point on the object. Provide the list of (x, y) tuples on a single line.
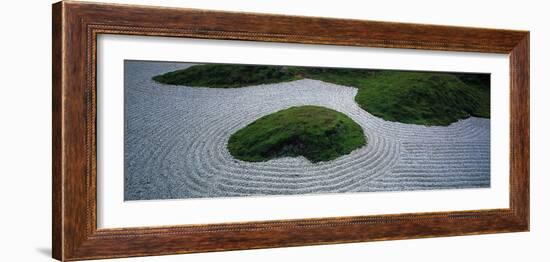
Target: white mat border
[(114, 212)]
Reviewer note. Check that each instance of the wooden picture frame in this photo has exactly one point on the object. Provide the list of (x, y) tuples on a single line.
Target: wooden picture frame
[(76, 26)]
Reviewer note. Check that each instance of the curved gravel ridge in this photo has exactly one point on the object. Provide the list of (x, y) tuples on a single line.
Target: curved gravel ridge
[(176, 143)]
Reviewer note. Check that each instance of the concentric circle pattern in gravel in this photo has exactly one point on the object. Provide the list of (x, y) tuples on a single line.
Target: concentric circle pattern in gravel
[(176, 143)]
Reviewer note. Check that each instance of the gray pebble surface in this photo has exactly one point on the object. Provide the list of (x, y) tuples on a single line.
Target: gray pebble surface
[(175, 143)]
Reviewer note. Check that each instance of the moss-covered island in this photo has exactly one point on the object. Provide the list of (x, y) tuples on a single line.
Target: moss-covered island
[(424, 98), (317, 133), (228, 76)]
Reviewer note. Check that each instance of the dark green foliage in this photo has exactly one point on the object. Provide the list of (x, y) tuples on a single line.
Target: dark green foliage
[(317, 133), (227, 76), (424, 98), (481, 80)]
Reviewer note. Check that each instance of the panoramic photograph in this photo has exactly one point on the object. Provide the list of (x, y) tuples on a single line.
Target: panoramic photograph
[(199, 130)]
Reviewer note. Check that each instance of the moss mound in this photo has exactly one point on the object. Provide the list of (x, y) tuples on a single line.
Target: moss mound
[(228, 76), (317, 133), (424, 98)]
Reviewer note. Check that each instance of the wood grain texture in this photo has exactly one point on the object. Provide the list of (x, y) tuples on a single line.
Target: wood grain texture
[(57, 192), (76, 26), (519, 129)]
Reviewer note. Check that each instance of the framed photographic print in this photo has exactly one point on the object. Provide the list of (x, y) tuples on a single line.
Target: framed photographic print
[(182, 130)]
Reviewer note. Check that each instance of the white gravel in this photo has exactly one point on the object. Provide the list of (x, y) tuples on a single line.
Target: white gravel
[(176, 138)]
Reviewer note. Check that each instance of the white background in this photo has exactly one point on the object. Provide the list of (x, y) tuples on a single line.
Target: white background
[(25, 147)]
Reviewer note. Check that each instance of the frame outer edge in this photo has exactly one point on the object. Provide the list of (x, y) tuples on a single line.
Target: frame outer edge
[(72, 239), (527, 185), (520, 130), (71, 154), (57, 111)]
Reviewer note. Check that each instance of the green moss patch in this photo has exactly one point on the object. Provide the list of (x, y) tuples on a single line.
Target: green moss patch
[(228, 76), (317, 133), (424, 98)]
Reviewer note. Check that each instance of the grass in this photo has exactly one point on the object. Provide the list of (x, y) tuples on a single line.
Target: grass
[(317, 133), (424, 98), (228, 76)]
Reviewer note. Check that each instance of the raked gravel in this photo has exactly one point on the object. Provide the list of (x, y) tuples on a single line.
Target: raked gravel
[(176, 143)]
